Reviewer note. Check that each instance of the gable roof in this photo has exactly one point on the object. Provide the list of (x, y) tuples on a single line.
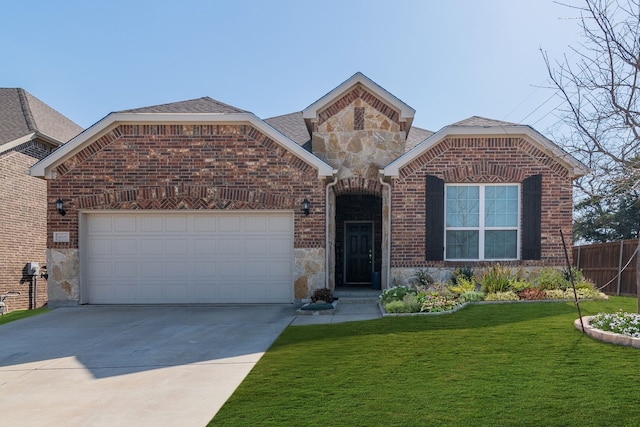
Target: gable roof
[(201, 110), (480, 126), (292, 125), (24, 117), (198, 105), (406, 113)]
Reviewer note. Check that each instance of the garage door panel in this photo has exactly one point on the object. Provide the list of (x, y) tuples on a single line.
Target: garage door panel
[(213, 257)]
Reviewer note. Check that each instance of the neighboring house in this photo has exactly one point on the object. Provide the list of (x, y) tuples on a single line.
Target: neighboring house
[(29, 131), (201, 202)]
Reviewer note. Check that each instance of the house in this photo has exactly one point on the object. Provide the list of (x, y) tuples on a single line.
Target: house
[(29, 131), (201, 202)]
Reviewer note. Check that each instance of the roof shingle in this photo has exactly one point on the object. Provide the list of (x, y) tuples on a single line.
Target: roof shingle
[(205, 105)]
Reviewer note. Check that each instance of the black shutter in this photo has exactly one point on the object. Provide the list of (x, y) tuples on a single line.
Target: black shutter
[(531, 217), (434, 219)]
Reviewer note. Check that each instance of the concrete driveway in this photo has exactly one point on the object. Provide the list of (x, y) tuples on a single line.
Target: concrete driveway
[(111, 365)]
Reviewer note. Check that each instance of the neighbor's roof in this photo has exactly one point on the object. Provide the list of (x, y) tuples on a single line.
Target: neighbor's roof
[(23, 115), (480, 126)]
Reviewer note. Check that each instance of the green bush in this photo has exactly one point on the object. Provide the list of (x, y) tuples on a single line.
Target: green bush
[(551, 278), (412, 303), (471, 296), (438, 303), (554, 294), (496, 278), (502, 296), (519, 285), (395, 307), (396, 293)]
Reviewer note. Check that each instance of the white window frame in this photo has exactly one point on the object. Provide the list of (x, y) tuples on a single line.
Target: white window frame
[(481, 227)]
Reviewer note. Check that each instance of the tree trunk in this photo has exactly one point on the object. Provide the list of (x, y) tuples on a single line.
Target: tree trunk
[(638, 274)]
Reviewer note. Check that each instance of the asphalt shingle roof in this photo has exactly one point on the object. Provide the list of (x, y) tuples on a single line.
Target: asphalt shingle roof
[(483, 122), (22, 114), (416, 136), (291, 125), (199, 105)]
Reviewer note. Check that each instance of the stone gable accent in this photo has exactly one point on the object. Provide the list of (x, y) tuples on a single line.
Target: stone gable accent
[(477, 160)]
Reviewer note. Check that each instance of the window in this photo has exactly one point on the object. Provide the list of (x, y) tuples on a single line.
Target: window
[(481, 221)]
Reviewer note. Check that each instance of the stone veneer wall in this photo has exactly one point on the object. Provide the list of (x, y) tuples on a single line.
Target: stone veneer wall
[(362, 152), (308, 271)]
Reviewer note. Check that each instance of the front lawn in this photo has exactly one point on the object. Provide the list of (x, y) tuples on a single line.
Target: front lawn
[(20, 314), (508, 364)]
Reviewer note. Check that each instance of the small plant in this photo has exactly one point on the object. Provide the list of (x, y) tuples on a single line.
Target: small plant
[(471, 296), (551, 278), (520, 285), (438, 303), (422, 276), (396, 293), (554, 294), (532, 294), (463, 284), (502, 296), (465, 272), (619, 323), (496, 278), (412, 303), (395, 307), (322, 294)]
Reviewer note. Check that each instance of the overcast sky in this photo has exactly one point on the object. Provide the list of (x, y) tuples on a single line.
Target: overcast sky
[(448, 59)]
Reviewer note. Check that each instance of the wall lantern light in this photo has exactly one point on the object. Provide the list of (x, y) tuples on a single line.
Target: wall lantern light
[(61, 211), (305, 206)]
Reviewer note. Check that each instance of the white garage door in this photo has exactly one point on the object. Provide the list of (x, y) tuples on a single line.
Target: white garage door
[(221, 257)]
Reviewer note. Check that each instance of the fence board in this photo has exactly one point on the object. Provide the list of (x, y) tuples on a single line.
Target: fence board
[(601, 262)]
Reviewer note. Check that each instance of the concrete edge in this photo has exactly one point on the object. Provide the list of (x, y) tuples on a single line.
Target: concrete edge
[(605, 336)]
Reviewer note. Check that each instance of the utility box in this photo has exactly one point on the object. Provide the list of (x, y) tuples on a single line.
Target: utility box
[(33, 268)]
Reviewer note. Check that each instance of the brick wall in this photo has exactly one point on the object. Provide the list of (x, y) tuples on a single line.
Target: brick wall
[(478, 160), (167, 167), (22, 224)]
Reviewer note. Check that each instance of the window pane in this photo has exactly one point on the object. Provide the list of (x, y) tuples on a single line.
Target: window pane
[(500, 244), (501, 206), (462, 244), (463, 206)]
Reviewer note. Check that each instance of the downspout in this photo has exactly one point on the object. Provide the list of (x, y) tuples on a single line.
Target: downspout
[(385, 184), (326, 228)]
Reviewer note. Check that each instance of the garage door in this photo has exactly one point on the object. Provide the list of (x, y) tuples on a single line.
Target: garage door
[(222, 257)]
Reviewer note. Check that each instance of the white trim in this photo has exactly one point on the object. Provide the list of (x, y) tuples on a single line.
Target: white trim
[(30, 137), (45, 166), (406, 113), (576, 168), (481, 228)]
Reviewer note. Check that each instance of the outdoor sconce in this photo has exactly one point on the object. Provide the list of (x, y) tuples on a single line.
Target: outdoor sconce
[(59, 207), (305, 206)]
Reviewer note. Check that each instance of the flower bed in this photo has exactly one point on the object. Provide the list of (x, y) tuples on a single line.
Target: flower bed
[(614, 328), (495, 283)]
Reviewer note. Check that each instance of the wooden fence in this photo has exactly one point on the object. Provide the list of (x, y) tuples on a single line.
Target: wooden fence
[(602, 262)]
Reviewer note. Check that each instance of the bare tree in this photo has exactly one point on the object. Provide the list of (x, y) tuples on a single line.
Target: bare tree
[(601, 93)]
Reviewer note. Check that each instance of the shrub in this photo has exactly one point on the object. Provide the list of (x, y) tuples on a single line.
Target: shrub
[(438, 303), (396, 293), (619, 323), (502, 296), (463, 284), (412, 303), (423, 277), (532, 294), (322, 294), (587, 293), (551, 278), (554, 294), (471, 296), (520, 285), (395, 307), (465, 272), (496, 278)]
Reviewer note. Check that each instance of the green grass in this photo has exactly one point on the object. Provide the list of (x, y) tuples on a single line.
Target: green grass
[(20, 314), (485, 365)]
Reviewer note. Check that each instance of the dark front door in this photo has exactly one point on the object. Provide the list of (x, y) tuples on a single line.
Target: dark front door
[(359, 252)]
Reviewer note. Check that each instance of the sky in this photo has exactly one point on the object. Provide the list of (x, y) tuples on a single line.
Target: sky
[(447, 59)]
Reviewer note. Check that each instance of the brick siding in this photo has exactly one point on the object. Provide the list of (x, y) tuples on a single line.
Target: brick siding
[(478, 160), (22, 223), (166, 167)]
